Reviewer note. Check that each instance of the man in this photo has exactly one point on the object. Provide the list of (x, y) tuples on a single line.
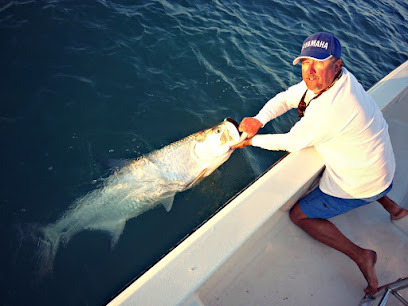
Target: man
[(346, 127)]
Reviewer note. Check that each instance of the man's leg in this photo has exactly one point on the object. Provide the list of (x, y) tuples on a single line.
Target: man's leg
[(396, 211), (327, 233)]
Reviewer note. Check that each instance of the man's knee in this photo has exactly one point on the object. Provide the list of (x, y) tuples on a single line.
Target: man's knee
[(296, 214)]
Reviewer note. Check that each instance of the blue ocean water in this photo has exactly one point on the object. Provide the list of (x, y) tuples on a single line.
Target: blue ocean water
[(84, 80)]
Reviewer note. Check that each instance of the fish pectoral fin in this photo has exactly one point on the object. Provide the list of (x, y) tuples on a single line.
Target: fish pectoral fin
[(115, 230), (168, 203), (200, 176)]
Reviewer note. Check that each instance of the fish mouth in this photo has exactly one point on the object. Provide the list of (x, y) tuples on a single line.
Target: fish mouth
[(228, 119), (233, 132), (235, 123)]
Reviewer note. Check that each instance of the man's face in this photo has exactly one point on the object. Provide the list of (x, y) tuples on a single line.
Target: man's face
[(318, 75)]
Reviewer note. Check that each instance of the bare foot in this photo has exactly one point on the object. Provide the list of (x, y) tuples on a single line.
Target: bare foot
[(401, 213), (368, 270), (396, 212)]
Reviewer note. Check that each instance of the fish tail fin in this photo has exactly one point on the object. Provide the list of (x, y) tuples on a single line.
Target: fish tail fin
[(47, 245), (43, 242)]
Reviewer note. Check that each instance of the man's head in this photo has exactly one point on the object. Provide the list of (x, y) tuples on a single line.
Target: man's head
[(320, 56)]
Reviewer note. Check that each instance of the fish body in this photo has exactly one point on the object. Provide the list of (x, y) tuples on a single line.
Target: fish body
[(140, 186)]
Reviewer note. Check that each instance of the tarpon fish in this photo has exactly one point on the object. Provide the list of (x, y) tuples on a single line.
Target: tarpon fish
[(140, 186)]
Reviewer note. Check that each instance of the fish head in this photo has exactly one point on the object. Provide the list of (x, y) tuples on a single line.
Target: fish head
[(213, 144)]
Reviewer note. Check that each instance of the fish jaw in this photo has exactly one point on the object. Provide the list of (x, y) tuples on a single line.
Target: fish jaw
[(232, 128)]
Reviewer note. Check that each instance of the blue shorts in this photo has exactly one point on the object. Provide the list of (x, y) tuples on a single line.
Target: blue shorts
[(317, 204)]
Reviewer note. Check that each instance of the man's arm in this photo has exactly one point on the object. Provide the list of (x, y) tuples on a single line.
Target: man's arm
[(275, 107), (281, 103)]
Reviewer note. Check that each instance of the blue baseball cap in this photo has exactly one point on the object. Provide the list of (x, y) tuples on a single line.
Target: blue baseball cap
[(320, 46)]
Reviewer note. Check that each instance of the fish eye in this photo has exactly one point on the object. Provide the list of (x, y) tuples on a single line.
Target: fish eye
[(218, 131)]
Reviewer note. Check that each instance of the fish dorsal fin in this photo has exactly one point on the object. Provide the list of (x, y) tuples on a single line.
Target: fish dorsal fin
[(168, 203), (201, 175)]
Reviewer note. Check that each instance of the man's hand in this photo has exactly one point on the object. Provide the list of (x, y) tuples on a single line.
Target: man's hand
[(250, 126), (245, 143)]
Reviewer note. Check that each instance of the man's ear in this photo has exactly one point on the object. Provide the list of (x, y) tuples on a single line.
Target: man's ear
[(338, 64)]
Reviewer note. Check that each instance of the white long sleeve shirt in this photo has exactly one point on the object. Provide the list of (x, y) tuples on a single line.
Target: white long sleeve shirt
[(346, 127)]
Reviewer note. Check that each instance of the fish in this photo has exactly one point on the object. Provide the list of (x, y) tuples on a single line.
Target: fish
[(139, 186)]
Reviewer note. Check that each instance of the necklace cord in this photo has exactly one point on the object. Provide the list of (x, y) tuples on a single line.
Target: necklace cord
[(302, 104)]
